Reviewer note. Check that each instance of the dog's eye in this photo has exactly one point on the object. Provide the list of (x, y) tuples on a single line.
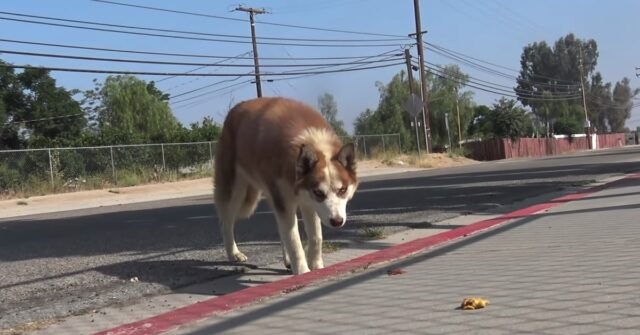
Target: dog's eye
[(342, 190), (319, 194)]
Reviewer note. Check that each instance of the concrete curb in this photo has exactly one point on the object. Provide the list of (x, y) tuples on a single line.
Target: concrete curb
[(173, 319)]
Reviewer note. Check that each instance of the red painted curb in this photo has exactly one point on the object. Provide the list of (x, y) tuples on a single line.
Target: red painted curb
[(181, 316)]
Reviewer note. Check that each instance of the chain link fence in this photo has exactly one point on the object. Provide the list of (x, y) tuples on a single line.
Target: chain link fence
[(42, 171), (375, 146)]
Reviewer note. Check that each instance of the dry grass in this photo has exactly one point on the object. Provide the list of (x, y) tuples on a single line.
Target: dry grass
[(329, 247), (372, 233), (427, 161), (28, 327)]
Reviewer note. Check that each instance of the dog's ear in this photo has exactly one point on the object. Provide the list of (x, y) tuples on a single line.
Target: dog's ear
[(347, 157), (307, 160)]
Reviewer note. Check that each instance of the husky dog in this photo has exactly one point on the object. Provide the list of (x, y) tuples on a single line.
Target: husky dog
[(287, 151)]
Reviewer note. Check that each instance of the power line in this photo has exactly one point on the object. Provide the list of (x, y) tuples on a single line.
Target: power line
[(496, 17), (206, 86), (612, 104), (463, 57), (198, 102), (277, 79), (322, 67), (470, 57), (242, 20), (387, 58), (500, 74), (520, 18), (490, 90), (68, 46), (190, 37), (105, 24), (43, 119), (211, 92), (499, 87), (64, 69), (203, 65)]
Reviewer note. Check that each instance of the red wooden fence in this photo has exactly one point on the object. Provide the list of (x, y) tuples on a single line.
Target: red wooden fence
[(495, 149)]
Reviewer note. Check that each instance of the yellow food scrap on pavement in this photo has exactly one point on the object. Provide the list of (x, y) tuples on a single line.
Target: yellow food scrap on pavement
[(474, 303)]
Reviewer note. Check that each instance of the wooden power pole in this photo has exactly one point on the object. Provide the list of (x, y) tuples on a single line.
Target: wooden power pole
[(423, 77), (587, 124), (407, 58), (252, 12)]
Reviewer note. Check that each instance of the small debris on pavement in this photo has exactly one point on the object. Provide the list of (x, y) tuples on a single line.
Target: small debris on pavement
[(393, 272), (292, 289), (134, 280), (474, 303)]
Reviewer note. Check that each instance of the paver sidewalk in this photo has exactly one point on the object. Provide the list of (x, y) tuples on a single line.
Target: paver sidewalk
[(570, 270)]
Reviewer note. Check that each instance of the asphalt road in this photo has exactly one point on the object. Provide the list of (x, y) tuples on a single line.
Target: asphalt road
[(58, 264)]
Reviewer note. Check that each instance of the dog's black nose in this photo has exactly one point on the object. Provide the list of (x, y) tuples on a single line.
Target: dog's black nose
[(336, 222)]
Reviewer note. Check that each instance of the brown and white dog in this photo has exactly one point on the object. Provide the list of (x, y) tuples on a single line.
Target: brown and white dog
[(287, 151)]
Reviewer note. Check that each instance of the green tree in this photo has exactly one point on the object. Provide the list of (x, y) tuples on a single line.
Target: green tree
[(554, 72), (567, 126), (481, 126), (44, 100), (126, 109), (207, 130), (620, 110), (329, 109), (445, 93), (600, 102), (446, 97), (34, 112), (389, 116), (11, 107), (503, 120)]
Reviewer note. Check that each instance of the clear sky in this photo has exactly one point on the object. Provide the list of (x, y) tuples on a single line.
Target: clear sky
[(490, 30)]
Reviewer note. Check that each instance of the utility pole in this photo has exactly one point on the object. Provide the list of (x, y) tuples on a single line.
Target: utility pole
[(587, 124), (458, 112), (407, 58), (423, 77), (252, 12), (446, 124)]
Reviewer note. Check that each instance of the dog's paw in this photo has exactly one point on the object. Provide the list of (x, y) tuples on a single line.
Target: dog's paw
[(238, 257), (300, 270), (316, 264)]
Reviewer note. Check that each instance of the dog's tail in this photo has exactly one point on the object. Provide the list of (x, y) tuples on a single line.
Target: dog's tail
[(225, 161), (226, 179)]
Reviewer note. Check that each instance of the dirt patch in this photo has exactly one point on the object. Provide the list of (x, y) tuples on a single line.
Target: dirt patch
[(27, 328), (106, 197), (416, 161)]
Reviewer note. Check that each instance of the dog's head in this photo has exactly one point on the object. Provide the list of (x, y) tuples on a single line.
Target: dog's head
[(326, 181)]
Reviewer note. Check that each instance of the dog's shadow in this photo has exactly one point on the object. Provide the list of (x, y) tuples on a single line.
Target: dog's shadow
[(191, 276)]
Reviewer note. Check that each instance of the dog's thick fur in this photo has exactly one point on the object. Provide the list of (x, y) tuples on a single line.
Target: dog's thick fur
[(287, 151)]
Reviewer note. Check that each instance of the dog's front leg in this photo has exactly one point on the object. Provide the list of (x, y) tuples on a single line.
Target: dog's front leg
[(290, 236), (313, 228)]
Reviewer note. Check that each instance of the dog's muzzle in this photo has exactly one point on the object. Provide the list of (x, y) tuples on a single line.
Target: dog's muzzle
[(336, 222)]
